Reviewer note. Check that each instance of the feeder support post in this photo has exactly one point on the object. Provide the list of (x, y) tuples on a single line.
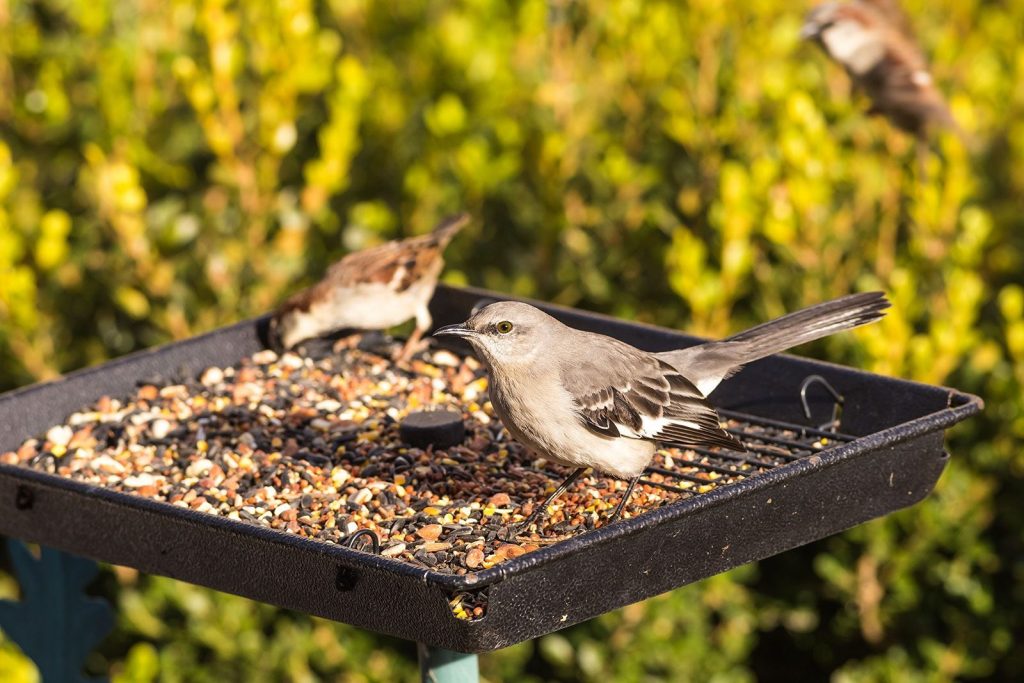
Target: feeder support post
[(55, 623), (444, 666)]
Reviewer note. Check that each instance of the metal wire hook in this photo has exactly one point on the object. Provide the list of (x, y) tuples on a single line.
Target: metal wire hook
[(374, 541), (837, 402)]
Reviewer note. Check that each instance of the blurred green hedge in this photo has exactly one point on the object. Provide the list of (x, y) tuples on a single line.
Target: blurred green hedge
[(168, 167)]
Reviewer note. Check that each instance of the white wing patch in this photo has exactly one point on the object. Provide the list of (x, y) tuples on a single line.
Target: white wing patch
[(706, 385), (653, 426)]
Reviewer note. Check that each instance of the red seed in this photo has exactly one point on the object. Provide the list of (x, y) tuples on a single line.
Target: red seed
[(148, 392), (500, 500)]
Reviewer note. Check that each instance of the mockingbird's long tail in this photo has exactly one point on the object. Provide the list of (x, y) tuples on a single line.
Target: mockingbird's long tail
[(708, 364)]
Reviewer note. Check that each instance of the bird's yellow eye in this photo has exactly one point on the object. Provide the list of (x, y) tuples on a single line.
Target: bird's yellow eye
[(504, 327)]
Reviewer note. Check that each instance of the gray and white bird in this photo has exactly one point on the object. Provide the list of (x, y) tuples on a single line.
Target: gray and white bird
[(372, 289), (874, 43), (588, 400)]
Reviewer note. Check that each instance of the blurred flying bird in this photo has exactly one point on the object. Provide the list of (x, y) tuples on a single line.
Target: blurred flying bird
[(586, 400), (372, 289), (874, 43)]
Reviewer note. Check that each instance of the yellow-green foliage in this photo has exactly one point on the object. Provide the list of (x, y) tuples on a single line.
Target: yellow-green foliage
[(168, 167)]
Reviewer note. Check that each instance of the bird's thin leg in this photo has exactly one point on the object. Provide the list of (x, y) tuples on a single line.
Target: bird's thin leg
[(411, 345), (537, 512), (423, 323), (625, 499)]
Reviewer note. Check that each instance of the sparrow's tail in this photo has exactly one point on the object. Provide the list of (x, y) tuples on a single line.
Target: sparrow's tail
[(448, 228), (708, 364)]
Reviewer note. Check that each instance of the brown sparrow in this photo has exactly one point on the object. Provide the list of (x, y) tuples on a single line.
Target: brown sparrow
[(872, 40), (372, 289)]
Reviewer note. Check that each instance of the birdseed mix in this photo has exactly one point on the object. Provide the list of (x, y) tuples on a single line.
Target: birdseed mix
[(309, 445)]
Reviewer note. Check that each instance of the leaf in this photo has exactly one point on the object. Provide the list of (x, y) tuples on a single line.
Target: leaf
[(56, 624)]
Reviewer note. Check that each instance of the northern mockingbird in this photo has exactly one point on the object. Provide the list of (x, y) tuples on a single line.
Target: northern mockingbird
[(874, 43), (372, 289), (587, 400)]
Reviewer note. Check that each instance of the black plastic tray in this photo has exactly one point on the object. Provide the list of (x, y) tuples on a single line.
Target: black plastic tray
[(895, 461)]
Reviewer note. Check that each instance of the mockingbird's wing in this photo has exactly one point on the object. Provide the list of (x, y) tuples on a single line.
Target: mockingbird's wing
[(622, 391)]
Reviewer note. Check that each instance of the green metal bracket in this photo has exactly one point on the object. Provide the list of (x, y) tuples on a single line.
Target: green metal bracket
[(55, 623), (445, 666)]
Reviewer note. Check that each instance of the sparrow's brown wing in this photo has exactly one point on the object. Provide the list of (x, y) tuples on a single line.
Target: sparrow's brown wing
[(620, 391), (901, 86), (902, 89), (400, 263)]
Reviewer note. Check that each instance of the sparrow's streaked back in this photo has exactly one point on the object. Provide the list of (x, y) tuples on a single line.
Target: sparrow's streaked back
[(587, 400), (372, 289)]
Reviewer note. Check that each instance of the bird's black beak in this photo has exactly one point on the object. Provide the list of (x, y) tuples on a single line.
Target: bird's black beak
[(459, 330), (814, 23), (810, 30)]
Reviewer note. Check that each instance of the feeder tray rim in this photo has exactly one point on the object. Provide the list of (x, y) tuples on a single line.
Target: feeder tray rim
[(474, 581), (791, 503), (961, 406)]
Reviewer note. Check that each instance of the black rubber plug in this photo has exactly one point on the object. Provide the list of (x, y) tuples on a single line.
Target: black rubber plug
[(440, 428)]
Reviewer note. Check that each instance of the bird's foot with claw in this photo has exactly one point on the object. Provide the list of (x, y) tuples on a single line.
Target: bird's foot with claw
[(512, 533)]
